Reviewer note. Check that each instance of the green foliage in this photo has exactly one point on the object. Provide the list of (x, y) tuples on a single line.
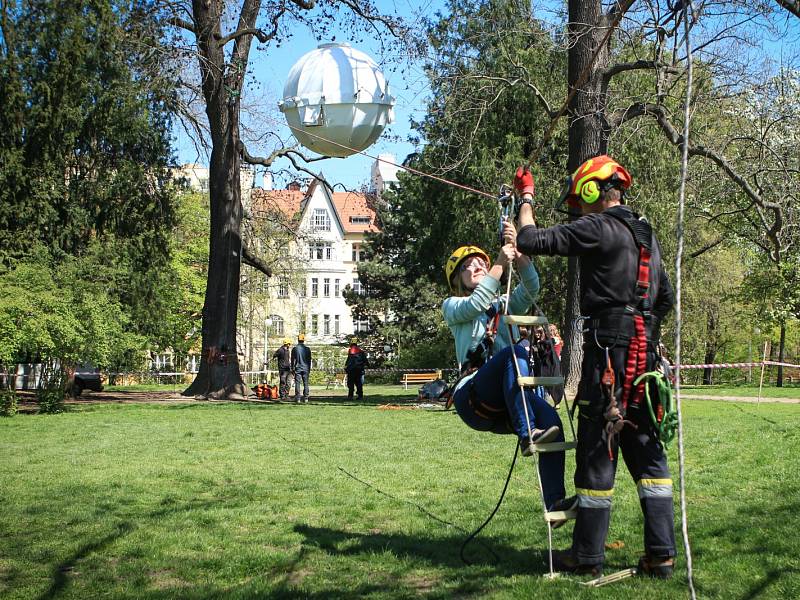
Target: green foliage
[(476, 134), (8, 402), (84, 183), (47, 313), (51, 398)]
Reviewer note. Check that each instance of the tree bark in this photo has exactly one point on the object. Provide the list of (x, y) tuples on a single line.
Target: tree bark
[(587, 137)]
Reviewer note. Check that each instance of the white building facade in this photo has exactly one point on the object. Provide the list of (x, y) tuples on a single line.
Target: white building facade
[(328, 245)]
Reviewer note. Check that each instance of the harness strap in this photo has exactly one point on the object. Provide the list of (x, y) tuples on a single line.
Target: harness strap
[(636, 362)]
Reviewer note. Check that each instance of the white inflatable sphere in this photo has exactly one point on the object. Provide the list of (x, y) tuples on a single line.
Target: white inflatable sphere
[(336, 100)]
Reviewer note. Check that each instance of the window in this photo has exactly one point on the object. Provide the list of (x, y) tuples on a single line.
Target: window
[(326, 287), (314, 287), (361, 325), (327, 325), (361, 220), (320, 251), (283, 287), (336, 290), (320, 220), (336, 325), (357, 288), (276, 329), (314, 329), (356, 252)]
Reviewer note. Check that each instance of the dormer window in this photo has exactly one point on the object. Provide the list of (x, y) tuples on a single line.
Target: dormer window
[(360, 220), (320, 220)]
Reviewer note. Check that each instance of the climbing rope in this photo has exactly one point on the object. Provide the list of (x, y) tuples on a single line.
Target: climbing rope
[(678, 260), (664, 417)]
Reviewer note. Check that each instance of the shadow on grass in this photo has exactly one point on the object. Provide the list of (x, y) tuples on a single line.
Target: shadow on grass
[(441, 551), (61, 572), (763, 533), (60, 577)]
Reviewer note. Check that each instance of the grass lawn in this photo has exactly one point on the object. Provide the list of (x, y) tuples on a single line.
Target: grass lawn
[(224, 500), (769, 391)]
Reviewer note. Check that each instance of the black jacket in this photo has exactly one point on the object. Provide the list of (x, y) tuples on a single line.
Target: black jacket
[(609, 260), (283, 354)]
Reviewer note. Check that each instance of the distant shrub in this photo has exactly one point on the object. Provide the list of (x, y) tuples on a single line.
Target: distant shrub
[(8, 403)]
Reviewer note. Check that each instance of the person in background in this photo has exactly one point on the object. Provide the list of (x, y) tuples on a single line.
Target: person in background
[(284, 357), (558, 343), (354, 367), (301, 367)]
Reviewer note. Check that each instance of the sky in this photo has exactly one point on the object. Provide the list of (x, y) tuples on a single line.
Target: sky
[(272, 67)]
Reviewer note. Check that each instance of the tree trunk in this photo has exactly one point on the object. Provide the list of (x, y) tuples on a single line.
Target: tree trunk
[(222, 80), (219, 374), (587, 137), (711, 347), (781, 355)]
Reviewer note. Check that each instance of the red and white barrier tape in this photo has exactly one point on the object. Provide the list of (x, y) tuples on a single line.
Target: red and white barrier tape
[(770, 363)]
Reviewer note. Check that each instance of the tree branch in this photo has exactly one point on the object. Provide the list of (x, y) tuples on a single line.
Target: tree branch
[(251, 260), (609, 72), (267, 162), (182, 23), (707, 247), (793, 6), (660, 114), (260, 34)]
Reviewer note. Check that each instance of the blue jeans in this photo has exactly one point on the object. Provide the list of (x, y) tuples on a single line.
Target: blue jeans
[(492, 401), (300, 379)]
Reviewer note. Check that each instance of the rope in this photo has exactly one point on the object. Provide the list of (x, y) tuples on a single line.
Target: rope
[(678, 260), (449, 182)]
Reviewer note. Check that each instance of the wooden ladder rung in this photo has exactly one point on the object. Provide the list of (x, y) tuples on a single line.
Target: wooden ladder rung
[(534, 381), (555, 446), (526, 320), (560, 515)]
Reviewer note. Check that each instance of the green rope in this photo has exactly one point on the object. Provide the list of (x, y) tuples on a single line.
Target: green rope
[(669, 422)]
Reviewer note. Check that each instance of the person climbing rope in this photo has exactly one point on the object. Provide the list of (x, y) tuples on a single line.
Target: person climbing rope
[(626, 293), (487, 397)]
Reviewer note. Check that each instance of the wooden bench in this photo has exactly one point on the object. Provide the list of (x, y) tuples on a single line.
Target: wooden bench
[(417, 378), (336, 379)]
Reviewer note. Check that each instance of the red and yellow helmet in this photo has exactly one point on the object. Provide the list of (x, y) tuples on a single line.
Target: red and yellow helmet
[(584, 183), (459, 256)]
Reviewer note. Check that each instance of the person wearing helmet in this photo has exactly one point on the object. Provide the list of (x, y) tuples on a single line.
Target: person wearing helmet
[(354, 367), (625, 293), (284, 358), (487, 397), (301, 367)]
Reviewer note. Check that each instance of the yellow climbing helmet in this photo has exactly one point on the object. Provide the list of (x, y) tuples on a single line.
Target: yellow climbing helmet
[(287, 341), (583, 183), (459, 256)]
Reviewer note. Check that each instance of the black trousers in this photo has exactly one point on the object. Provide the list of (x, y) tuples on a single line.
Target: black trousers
[(286, 383), (355, 379), (595, 473)]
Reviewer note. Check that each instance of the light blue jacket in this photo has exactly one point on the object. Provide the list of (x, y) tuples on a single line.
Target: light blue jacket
[(466, 315)]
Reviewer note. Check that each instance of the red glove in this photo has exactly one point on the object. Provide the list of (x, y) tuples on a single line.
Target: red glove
[(523, 181)]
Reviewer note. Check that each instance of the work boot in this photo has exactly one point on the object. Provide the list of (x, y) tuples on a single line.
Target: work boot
[(565, 505), (564, 562), (539, 436), (658, 567)]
